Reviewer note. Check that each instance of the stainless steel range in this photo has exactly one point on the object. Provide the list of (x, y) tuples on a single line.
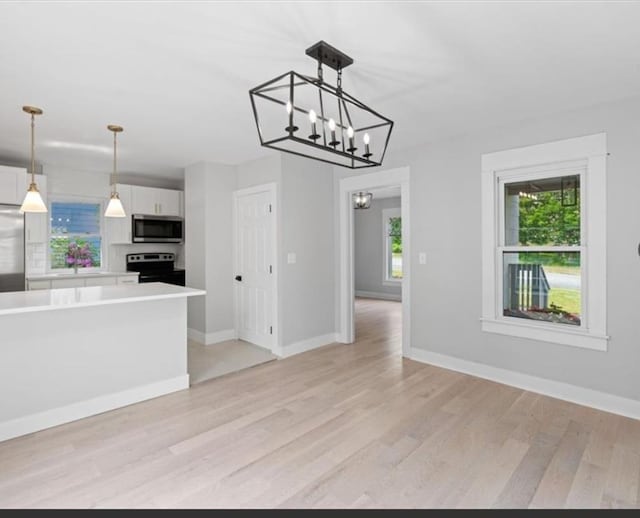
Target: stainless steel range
[(156, 267)]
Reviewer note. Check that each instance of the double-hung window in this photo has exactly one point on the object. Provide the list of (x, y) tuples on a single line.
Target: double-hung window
[(392, 240), (75, 234), (544, 211)]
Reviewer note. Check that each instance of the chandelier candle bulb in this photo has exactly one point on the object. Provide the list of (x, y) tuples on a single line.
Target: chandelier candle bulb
[(332, 127), (290, 128), (352, 148), (366, 139), (314, 132)]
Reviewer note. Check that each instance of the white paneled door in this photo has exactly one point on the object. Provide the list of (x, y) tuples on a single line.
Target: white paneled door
[(254, 264)]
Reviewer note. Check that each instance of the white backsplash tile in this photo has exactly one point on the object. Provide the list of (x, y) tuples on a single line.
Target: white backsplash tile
[(35, 258)]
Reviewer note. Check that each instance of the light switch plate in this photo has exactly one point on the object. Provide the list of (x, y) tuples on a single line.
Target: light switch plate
[(422, 258), (291, 258)]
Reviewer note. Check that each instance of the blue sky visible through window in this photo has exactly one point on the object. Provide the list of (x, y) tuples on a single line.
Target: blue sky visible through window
[(75, 222)]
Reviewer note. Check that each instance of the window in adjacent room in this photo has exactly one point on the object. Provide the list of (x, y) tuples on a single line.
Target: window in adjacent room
[(75, 234), (542, 278), (392, 234)]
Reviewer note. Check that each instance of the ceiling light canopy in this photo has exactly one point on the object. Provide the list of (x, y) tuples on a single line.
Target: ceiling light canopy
[(32, 200), (362, 200), (115, 208), (308, 117)]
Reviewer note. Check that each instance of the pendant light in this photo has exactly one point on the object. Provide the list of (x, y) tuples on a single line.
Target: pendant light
[(33, 201), (343, 130), (115, 208), (362, 200)]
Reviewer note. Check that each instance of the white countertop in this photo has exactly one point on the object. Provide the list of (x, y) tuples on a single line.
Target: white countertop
[(80, 274), (47, 300)]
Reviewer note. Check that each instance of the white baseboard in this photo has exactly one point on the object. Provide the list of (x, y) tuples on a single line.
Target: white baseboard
[(211, 338), (304, 345), (57, 416), (378, 295), (557, 389)]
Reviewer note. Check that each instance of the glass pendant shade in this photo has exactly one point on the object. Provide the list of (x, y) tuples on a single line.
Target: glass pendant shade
[(115, 208), (33, 201)]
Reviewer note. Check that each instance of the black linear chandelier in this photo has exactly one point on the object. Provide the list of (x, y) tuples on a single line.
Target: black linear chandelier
[(307, 117)]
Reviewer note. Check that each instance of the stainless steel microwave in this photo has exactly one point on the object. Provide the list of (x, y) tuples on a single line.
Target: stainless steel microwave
[(147, 228)]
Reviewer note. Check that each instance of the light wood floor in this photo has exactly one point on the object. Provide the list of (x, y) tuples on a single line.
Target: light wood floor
[(342, 426)]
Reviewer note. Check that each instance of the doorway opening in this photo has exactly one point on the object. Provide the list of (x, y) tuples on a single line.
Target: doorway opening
[(378, 268), (255, 290), (363, 303)]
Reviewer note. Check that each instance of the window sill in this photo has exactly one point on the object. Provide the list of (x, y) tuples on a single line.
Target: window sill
[(392, 282), (581, 339)]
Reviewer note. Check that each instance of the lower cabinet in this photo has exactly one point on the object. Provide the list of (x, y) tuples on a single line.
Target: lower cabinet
[(68, 283), (76, 282), (38, 285), (127, 279)]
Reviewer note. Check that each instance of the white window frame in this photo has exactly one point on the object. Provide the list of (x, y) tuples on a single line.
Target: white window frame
[(582, 155), (387, 280), (103, 244)]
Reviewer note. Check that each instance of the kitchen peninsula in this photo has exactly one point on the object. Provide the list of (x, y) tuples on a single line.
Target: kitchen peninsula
[(71, 353)]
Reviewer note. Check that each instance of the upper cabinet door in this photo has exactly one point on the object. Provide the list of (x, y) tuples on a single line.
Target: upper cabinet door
[(169, 202), (144, 200), (152, 200), (12, 188)]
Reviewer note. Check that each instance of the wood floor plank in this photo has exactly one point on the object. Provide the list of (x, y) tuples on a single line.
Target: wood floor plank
[(343, 426)]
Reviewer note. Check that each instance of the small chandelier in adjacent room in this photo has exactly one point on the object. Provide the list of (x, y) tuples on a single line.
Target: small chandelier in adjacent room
[(115, 208), (308, 117), (32, 200), (362, 200)]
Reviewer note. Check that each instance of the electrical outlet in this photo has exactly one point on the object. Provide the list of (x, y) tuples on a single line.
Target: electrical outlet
[(422, 258), (291, 258)]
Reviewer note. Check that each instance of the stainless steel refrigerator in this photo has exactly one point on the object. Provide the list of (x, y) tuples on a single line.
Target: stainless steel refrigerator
[(11, 248)]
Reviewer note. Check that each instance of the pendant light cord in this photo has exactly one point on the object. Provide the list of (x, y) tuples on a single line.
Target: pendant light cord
[(33, 148), (115, 173)]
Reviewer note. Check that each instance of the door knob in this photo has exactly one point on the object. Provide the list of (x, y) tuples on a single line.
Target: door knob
[(239, 278)]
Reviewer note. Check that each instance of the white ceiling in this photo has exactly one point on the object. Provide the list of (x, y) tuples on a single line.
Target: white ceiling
[(385, 192), (177, 75)]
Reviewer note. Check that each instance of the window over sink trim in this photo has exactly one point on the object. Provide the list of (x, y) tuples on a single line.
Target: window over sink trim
[(588, 156)]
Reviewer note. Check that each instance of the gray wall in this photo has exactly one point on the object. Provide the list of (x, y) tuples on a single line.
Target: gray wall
[(194, 215), (208, 257), (446, 292), (368, 248), (307, 229), (304, 190)]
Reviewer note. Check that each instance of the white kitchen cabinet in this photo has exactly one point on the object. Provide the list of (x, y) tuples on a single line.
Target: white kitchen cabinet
[(119, 229), (68, 283), (36, 225), (127, 279), (153, 200), (102, 281), (39, 285), (169, 202), (14, 182), (11, 185), (80, 281)]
